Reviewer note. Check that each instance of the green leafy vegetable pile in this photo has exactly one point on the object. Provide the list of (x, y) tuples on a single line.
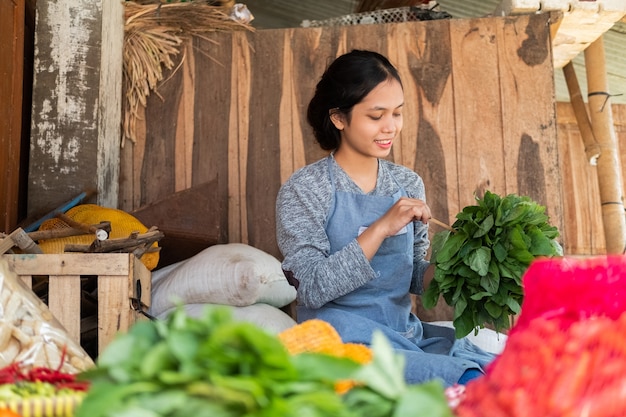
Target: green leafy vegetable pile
[(479, 265), (214, 366)]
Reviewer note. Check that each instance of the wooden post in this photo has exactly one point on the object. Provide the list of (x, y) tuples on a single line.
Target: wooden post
[(11, 79), (77, 96), (110, 107), (609, 167)]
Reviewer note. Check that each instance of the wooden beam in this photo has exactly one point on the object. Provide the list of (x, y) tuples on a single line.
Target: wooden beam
[(110, 108), (76, 110), (583, 22), (11, 78)]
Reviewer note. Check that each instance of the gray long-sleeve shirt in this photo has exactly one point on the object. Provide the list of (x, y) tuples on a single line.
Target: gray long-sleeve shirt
[(302, 209)]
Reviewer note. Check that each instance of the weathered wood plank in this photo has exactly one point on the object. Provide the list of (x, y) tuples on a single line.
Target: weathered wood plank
[(212, 129), (262, 173), (64, 130), (71, 264), (139, 151), (114, 314), (64, 292), (183, 151), (159, 155), (581, 202), (76, 90), (187, 230), (311, 50), (582, 215), (110, 96), (428, 141), (476, 82), (529, 128), (238, 120), (11, 89)]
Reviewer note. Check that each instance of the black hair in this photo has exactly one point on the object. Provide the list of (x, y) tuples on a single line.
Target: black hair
[(345, 83)]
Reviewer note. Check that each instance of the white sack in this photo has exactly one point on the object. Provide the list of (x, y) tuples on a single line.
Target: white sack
[(267, 317), (487, 339), (232, 274)]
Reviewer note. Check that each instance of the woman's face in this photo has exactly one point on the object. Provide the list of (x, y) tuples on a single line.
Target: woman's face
[(374, 124)]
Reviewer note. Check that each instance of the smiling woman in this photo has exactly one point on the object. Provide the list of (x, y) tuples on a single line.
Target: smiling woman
[(367, 132), (353, 226)]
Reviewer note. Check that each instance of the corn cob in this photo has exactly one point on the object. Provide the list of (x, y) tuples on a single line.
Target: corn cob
[(311, 336), (320, 336), (357, 352)]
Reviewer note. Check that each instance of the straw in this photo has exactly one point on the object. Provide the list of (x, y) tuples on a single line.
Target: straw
[(153, 35)]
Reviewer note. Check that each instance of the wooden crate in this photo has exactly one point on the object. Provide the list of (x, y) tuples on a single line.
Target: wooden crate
[(120, 278)]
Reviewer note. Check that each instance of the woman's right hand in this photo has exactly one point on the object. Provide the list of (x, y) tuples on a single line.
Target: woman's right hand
[(404, 211)]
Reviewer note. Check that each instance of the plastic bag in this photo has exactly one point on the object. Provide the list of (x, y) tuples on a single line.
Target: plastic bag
[(566, 355), (573, 289)]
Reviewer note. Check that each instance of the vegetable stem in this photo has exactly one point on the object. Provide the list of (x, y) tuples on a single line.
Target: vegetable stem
[(442, 224)]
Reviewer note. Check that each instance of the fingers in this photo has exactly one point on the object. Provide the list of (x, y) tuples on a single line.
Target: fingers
[(403, 212), (415, 209)]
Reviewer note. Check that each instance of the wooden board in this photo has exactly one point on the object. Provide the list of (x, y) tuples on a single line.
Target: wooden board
[(428, 142), (530, 149), (76, 103), (186, 233), (478, 116), (479, 108), (11, 79)]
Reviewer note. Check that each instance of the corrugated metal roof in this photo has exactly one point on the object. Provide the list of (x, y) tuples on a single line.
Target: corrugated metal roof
[(288, 13)]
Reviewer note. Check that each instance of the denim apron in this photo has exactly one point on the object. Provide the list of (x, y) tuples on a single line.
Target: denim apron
[(384, 303)]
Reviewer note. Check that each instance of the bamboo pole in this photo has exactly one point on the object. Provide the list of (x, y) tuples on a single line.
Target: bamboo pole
[(609, 166), (592, 147)]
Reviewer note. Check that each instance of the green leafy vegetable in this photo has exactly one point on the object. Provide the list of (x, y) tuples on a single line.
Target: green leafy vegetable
[(478, 266), (215, 366)]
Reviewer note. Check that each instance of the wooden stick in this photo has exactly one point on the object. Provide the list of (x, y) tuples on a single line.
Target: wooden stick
[(146, 248), (20, 239), (111, 245), (25, 243), (66, 232), (100, 234), (442, 224)]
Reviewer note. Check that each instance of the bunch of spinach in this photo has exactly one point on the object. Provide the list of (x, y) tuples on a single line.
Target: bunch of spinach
[(479, 265), (213, 366)]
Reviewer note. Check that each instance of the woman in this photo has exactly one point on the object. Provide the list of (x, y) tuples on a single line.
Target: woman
[(353, 227)]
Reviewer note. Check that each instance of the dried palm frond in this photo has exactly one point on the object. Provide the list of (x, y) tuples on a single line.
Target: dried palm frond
[(153, 34)]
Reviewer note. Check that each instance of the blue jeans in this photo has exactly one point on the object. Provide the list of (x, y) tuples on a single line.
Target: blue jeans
[(469, 375)]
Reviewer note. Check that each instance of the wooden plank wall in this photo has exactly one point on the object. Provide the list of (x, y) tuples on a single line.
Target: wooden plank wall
[(582, 211), (230, 121)]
